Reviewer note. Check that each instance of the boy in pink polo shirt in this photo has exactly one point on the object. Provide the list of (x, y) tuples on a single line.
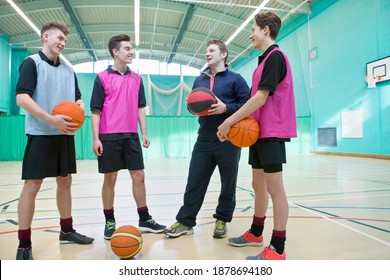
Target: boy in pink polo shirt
[(272, 105), (118, 106)]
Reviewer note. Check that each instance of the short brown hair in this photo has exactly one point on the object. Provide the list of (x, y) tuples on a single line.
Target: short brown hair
[(55, 24), (271, 20), (221, 45), (114, 42)]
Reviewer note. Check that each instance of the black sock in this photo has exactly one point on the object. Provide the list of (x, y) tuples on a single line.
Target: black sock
[(109, 214), (278, 244), (143, 214), (24, 243), (256, 230), (67, 229)]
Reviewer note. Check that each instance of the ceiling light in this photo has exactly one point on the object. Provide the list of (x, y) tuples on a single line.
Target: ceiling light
[(245, 23), (23, 15), (31, 24), (136, 21)]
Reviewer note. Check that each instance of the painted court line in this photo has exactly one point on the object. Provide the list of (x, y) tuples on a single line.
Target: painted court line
[(340, 224), (341, 198)]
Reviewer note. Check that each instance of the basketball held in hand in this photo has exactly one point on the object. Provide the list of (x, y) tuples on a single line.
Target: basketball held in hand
[(244, 133), (199, 101), (70, 109)]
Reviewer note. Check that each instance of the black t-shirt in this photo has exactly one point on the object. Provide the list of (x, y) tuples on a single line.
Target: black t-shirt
[(28, 76), (274, 70)]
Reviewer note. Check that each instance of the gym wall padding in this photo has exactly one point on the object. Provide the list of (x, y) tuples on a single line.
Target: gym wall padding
[(5, 85), (170, 137)]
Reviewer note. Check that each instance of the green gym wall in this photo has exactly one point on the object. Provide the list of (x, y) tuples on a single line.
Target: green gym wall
[(346, 34)]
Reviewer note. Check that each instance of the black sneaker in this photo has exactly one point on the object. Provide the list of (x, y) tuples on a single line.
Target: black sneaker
[(109, 229), (24, 253), (150, 226), (74, 237)]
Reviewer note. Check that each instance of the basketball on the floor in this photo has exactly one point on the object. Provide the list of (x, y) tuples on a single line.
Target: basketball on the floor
[(126, 242), (244, 133), (200, 100), (70, 109)]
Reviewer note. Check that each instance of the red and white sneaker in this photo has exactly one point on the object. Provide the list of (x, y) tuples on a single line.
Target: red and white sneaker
[(269, 253), (247, 239)]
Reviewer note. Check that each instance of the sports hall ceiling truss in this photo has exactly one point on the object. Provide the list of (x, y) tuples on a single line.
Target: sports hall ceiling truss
[(170, 30)]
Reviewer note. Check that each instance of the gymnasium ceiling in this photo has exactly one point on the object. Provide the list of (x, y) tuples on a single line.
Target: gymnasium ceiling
[(170, 30)]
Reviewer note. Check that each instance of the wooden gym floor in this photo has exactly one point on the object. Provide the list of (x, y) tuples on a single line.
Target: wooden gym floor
[(339, 210)]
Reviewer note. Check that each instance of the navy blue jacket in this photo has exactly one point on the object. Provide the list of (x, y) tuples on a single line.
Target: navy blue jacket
[(232, 89)]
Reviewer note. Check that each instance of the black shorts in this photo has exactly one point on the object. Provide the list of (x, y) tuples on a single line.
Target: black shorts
[(49, 156), (267, 155), (121, 154)]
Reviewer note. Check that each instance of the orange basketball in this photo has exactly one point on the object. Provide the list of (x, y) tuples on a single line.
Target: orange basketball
[(70, 109), (126, 242), (244, 133)]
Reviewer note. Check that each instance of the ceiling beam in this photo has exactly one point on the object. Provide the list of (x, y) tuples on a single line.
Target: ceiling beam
[(144, 54), (183, 28), (31, 38), (80, 31), (27, 7)]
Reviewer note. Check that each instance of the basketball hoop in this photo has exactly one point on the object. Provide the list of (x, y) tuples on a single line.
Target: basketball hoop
[(371, 80)]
